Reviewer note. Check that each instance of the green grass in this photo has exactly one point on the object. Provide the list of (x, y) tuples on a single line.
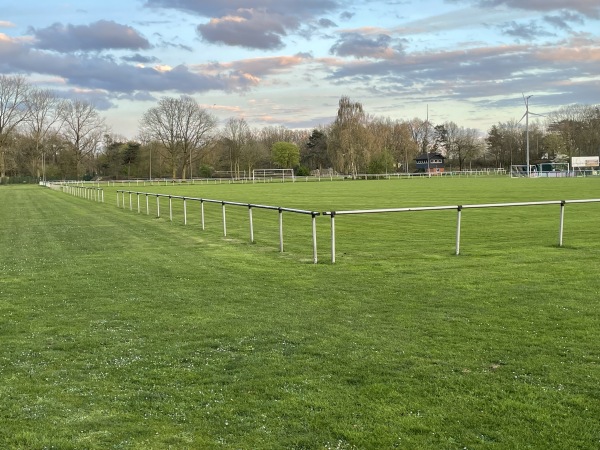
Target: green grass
[(121, 330)]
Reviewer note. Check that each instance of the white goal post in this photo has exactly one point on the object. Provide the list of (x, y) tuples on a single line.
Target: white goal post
[(273, 174)]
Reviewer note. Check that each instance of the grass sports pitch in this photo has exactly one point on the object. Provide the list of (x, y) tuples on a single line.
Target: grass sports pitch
[(123, 330)]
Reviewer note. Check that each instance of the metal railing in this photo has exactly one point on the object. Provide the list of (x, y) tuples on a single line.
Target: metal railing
[(459, 209), (121, 203), (89, 193)]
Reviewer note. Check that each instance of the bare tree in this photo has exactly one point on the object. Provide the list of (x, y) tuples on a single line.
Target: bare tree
[(269, 135), (182, 127), (44, 115), (422, 133), (83, 128), (13, 111), (195, 129), (393, 141), (349, 137), (254, 152), (160, 123), (463, 144), (236, 136), (579, 127)]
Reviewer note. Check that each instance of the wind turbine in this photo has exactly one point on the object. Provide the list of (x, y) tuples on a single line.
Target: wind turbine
[(526, 116)]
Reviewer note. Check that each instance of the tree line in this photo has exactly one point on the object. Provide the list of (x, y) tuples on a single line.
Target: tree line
[(44, 136)]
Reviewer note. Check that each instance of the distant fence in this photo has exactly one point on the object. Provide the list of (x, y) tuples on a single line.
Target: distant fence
[(121, 203), (459, 209), (141, 182)]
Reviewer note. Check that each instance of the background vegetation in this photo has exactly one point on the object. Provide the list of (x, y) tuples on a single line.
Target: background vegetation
[(122, 330), (45, 136)]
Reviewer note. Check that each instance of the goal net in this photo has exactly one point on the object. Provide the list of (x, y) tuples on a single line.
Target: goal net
[(265, 175), (545, 169)]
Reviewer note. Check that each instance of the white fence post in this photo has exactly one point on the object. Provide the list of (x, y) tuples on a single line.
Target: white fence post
[(332, 237), (459, 213), (147, 205), (314, 236), (280, 230), (224, 220), (202, 212), (138, 201), (251, 224), (130, 202), (157, 206), (184, 211), (562, 223), (170, 208)]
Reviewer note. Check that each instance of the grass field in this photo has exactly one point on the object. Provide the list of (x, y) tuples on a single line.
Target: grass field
[(121, 330)]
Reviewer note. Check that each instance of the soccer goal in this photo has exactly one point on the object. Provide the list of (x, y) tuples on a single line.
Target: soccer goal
[(266, 175), (553, 169), (541, 170), (520, 170)]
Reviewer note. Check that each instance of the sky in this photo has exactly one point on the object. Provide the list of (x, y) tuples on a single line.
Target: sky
[(288, 62)]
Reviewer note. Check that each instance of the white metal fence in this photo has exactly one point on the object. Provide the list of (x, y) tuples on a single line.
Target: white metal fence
[(97, 194), (458, 209), (245, 179), (88, 192), (121, 203)]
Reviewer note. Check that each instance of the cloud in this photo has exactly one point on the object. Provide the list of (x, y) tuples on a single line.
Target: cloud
[(6, 24), (102, 99), (562, 21), (141, 59), (526, 31), (361, 46), (99, 98), (304, 8), (253, 24), (577, 51), (326, 23), (249, 73), (10, 48), (476, 73), (97, 73), (100, 35), (259, 67), (249, 28), (589, 8)]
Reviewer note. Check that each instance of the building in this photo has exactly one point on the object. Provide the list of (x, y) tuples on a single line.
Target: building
[(430, 162)]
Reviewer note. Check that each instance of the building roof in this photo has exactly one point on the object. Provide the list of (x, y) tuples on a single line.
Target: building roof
[(431, 156)]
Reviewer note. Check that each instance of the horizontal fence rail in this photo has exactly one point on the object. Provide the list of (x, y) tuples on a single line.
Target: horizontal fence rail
[(122, 202), (458, 209)]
